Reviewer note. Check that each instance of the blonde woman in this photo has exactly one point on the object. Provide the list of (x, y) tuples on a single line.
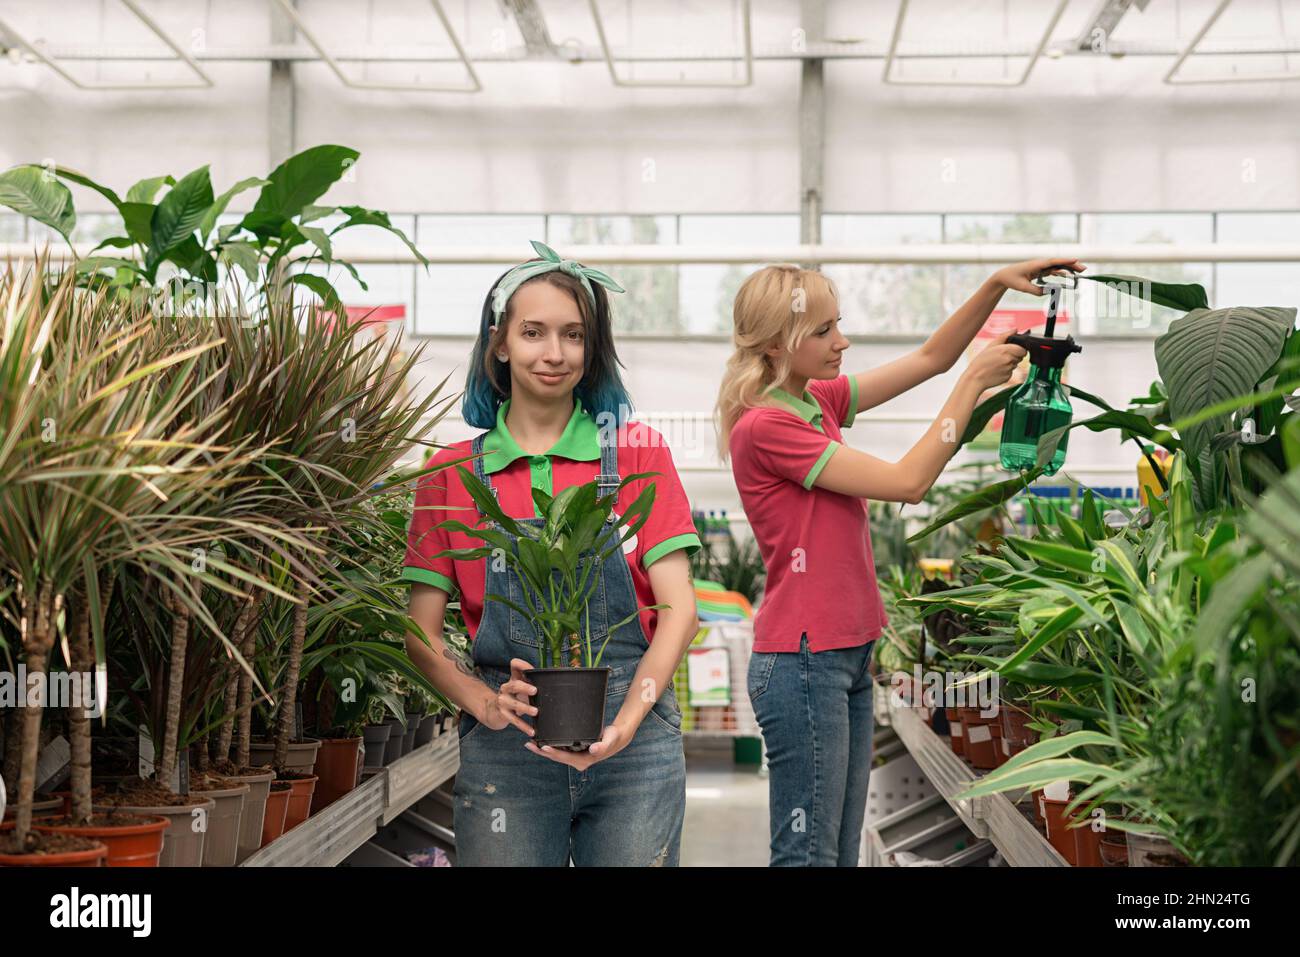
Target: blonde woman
[(781, 406)]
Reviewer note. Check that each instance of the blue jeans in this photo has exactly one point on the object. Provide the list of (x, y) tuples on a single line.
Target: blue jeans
[(512, 808), (815, 712), (515, 808)]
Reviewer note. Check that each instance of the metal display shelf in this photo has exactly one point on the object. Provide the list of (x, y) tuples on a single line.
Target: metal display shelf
[(328, 837), (995, 816)]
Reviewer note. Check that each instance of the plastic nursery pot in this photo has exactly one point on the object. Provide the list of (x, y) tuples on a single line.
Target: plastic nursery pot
[(393, 749), (1000, 753), (54, 850), (570, 705), (182, 844), (336, 766), (132, 840), (1113, 849), (302, 754), (955, 739), (1087, 845), (1151, 850), (1058, 834), (277, 808), (376, 736), (1016, 732), (978, 739), (424, 733), (221, 846), (299, 798)]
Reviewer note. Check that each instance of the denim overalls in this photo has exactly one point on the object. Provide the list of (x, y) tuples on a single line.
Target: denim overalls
[(516, 808)]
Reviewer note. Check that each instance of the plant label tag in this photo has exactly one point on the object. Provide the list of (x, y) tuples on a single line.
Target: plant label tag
[(979, 733), (1006, 746), (54, 764), (955, 728)]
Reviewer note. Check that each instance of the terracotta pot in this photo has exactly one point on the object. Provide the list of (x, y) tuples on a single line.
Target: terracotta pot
[(1087, 846), (299, 801), (137, 844), (1058, 835), (221, 847), (978, 739), (1000, 755), (90, 857), (277, 807), (955, 739), (1151, 850), (1016, 731), (302, 754), (1114, 849), (250, 822), (182, 844), (336, 766)]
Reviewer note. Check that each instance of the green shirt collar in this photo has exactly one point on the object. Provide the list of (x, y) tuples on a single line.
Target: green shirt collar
[(807, 408), (579, 442)]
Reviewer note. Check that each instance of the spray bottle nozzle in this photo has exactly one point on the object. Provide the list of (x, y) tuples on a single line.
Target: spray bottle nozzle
[(1047, 352)]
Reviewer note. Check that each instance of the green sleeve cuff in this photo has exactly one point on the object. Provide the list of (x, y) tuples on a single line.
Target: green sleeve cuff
[(820, 464), (853, 402), (690, 541), (412, 573)]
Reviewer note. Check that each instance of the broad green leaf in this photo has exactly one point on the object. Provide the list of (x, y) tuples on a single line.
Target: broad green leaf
[(1181, 296), (28, 190), (360, 216), (243, 255), (1035, 776), (302, 179), (988, 497), (321, 287), (983, 414), (1209, 357), (320, 239), (213, 213), (1064, 620), (178, 215), (145, 190)]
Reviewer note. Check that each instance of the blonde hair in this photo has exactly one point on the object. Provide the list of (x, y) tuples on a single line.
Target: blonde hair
[(778, 305)]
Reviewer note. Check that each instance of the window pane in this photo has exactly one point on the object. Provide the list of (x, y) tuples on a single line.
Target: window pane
[(1114, 314), (1258, 284), (961, 281), (880, 298), (650, 303), (449, 299), (12, 228), (707, 292)]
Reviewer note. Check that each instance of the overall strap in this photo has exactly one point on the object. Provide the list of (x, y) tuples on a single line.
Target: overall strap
[(608, 478), (476, 447)]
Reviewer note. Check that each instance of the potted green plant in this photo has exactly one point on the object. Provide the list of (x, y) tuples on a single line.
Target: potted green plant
[(558, 583)]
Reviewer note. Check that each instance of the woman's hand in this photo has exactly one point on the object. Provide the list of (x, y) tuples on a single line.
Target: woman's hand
[(995, 363), (1020, 276), (612, 740), (512, 701)]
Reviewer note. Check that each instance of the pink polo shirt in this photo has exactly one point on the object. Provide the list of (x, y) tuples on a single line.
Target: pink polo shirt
[(440, 497), (816, 544)]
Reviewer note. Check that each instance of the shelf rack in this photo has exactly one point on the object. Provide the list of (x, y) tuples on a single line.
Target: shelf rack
[(328, 837), (994, 817)]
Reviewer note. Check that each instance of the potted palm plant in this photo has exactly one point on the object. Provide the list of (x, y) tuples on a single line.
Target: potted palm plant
[(558, 583)]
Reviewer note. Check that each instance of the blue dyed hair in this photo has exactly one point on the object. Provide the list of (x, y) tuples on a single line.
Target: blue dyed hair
[(601, 388)]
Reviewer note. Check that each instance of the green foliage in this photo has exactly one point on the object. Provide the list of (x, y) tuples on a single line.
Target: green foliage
[(558, 562), (272, 244)]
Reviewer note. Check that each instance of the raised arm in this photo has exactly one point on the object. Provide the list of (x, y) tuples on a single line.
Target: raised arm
[(945, 346), (855, 473)]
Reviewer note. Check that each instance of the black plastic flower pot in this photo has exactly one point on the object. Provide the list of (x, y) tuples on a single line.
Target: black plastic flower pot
[(570, 705)]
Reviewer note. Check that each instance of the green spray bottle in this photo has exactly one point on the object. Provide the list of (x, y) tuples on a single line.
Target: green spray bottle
[(1040, 404)]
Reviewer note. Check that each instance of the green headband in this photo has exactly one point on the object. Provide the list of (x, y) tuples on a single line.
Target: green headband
[(550, 261)]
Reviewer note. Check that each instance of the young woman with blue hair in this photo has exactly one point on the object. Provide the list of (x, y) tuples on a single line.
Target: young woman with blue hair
[(544, 386)]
